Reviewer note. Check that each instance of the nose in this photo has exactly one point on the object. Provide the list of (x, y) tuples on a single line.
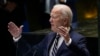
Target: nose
[(50, 20)]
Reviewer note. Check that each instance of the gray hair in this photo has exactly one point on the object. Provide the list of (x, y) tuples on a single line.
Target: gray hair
[(65, 10)]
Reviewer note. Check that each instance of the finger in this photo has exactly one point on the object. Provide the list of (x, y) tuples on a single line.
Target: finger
[(61, 34), (21, 28), (12, 25), (64, 34), (62, 30), (10, 31), (13, 33), (65, 29)]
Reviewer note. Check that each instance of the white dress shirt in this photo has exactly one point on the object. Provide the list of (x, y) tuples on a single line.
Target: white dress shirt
[(60, 41), (16, 39)]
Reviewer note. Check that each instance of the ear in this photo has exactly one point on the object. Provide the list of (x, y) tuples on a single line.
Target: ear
[(66, 21)]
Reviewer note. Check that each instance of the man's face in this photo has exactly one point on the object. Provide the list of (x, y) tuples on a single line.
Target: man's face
[(56, 19)]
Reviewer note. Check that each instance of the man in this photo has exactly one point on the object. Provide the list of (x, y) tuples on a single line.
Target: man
[(70, 43), (46, 6)]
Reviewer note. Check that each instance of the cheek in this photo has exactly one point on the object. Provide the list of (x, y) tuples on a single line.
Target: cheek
[(60, 23), (57, 23)]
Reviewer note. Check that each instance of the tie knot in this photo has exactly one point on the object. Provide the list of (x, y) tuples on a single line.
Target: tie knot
[(57, 36)]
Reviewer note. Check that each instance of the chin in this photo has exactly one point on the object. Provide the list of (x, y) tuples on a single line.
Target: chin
[(53, 29)]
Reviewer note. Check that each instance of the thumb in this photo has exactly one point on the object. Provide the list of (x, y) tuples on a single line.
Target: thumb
[(21, 27)]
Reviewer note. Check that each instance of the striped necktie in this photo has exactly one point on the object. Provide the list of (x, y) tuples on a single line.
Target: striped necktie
[(54, 50)]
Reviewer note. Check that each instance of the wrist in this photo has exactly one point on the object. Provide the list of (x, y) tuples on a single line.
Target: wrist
[(67, 38), (17, 38)]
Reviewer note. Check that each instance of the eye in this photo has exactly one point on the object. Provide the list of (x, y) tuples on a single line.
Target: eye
[(53, 17)]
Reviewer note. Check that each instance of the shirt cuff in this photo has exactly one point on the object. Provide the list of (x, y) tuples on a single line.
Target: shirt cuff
[(16, 39), (69, 42)]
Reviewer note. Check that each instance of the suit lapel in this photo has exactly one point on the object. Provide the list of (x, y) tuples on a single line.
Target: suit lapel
[(50, 41), (62, 47)]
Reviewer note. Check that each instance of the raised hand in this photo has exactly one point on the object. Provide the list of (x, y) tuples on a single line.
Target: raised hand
[(14, 30), (64, 31)]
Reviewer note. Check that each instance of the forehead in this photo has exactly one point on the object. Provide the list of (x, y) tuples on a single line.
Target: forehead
[(55, 11)]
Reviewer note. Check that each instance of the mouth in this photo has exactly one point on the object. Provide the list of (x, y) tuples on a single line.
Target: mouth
[(52, 24)]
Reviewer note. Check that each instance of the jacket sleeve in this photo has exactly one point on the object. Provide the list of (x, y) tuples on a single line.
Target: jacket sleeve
[(79, 47), (22, 47)]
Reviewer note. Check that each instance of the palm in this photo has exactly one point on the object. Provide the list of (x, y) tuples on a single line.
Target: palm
[(14, 29)]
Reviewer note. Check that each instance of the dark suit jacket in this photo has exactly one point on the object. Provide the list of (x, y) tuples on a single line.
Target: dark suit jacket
[(76, 48)]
